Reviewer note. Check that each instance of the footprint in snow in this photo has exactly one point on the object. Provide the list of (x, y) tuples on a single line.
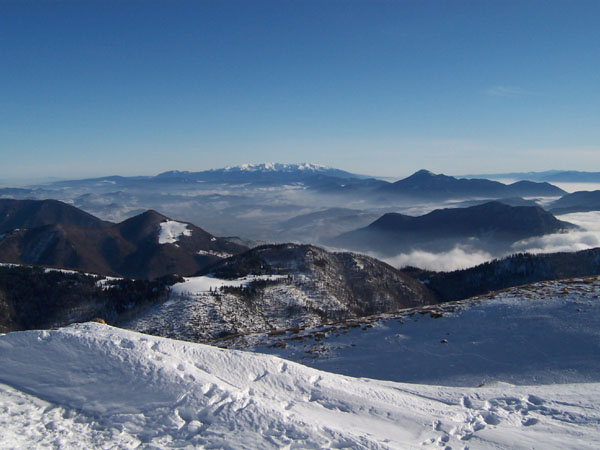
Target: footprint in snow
[(529, 422), (126, 343), (208, 389), (466, 402), (535, 400)]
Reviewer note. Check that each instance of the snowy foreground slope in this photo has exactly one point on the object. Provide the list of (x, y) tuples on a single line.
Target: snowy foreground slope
[(542, 333), (95, 386)]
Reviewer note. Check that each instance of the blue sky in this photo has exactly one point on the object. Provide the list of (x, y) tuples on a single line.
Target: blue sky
[(382, 87)]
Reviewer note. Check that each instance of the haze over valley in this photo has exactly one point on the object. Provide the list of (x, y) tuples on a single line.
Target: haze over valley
[(312, 204), (360, 225)]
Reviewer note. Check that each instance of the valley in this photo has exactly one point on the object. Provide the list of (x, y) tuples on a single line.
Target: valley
[(478, 357)]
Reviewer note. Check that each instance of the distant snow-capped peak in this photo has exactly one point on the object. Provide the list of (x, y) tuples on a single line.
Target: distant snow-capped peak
[(276, 167)]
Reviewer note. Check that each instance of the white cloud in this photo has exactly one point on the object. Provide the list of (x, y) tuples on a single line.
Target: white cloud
[(462, 257), (457, 258), (570, 241), (574, 187)]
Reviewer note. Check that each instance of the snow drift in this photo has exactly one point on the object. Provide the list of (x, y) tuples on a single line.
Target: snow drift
[(94, 386)]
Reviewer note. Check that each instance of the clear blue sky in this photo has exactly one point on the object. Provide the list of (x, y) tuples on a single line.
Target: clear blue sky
[(381, 87)]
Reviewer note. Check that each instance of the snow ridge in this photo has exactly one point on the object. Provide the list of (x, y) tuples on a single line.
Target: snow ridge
[(276, 167), (105, 387)]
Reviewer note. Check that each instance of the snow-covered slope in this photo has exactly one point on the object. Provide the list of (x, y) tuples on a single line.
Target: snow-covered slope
[(297, 286), (171, 231), (94, 386), (543, 333)]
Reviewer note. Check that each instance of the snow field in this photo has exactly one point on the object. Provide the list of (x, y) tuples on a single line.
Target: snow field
[(543, 333), (203, 284), (92, 385), (171, 231)]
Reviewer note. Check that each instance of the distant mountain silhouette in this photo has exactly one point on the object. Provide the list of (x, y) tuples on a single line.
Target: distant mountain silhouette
[(551, 176), (131, 248), (512, 201), (312, 176), (581, 201), (427, 185), (491, 224)]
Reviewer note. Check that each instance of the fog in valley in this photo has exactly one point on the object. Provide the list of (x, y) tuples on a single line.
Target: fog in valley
[(299, 212)]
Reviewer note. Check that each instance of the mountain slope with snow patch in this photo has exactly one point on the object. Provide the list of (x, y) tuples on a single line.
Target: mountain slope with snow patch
[(542, 333), (279, 286)]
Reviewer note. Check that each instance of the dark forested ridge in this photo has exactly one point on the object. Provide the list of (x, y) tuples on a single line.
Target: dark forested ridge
[(512, 271), (35, 298)]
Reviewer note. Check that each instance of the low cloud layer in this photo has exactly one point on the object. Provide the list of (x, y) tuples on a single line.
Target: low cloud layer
[(457, 258), (462, 257), (588, 237)]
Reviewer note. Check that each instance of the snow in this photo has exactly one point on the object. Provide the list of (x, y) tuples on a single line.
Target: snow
[(171, 231), (193, 313), (107, 282), (67, 271), (277, 167), (214, 253), (203, 284), (544, 333), (95, 386)]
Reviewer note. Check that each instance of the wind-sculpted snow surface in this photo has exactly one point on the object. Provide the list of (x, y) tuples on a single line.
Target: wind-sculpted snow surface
[(94, 386)]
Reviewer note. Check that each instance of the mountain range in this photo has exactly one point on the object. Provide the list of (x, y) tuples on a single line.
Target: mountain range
[(148, 245), (425, 184), (490, 225), (422, 184), (541, 332), (256, 201), (515, 368), (551, 176)]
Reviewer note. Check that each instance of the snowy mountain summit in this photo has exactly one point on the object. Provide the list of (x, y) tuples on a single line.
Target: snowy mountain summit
[(277, 167), (301, 169), (252, 173)]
